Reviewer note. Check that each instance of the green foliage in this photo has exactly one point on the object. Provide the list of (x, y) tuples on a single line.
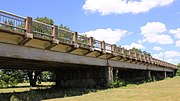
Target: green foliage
[(64, 27), (14, 98), (117, 83), (178, 71), (40, 30), (8, 25), (178, 65), (43, 29), (140, 51), (45, 20), (47, 76), (83, 40), (7, 80), (10, 78)]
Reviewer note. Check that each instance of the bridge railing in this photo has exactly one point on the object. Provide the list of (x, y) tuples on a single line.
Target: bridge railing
[(97, 45), (83, 41), (108, 47), (12, 22), (42, 30), (15, 23), (120, 51), (65, 36), (132, 54), (126, 53)]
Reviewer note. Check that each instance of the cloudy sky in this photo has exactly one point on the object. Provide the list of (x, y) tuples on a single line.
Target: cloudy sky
[(150, 25)]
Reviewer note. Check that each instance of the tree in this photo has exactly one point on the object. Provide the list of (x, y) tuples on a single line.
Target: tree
[(9, 78), (45, 20), (64, 27), (140, 51), (178, 71), (47, 76)]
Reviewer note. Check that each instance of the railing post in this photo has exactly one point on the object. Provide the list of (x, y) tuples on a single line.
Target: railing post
[(156, 61), (148, 59), (140, 56), (103, 46), (28, 25), (151, 61), (161, 63), (28, 34), (75, 38), (55, 32), (113, 48), (135, 55), (123, 53), (91, 42), (129, 52), (144, 57)]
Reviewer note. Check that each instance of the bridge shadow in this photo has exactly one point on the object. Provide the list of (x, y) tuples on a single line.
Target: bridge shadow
[(43, 94)]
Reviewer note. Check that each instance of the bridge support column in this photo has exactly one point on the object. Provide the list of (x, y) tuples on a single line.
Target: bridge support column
[(109, 75), (149, 74), (165, 74), (33, 75), (174, 72), (58, 78)]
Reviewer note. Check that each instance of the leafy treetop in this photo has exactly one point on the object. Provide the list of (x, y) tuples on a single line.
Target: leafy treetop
[(140, 51)]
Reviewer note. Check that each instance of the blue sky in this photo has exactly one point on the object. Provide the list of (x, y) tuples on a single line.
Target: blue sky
[(151, 25)]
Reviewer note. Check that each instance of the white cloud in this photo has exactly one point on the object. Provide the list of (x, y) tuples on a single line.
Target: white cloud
[(178, 43), (169, 56), (156, 48), (159, 56), (136, 45), (173, 60), (153, 28), (153, 32), (176, 32), (108, 35), (106, 7)]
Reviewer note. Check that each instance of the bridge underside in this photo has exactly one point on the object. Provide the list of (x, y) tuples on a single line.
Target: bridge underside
[(76, 70), (72, 69)]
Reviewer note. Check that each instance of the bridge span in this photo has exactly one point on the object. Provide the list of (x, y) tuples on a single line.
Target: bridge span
[(78, 61)]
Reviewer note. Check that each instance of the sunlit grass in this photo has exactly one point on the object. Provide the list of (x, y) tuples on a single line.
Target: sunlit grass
[(165, 90), (21, 87)]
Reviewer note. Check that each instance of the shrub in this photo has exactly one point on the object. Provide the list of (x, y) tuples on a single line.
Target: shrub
[(178, 72), (117, 83)]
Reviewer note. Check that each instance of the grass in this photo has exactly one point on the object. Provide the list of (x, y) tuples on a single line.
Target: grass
[(21, 87), (165, 90)]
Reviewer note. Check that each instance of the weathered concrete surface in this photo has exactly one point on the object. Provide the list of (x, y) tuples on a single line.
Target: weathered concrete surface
[(81, 77), (14, 51), (137, 66)]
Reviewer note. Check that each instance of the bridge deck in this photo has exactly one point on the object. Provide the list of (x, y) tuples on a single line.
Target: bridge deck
[(24, 38)]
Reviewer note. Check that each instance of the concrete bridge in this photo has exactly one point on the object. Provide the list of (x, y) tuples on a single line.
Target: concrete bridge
[(78, 61)]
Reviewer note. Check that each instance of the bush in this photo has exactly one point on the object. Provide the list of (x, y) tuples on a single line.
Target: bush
[(8, 78), (178, 72), (117, 83)]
